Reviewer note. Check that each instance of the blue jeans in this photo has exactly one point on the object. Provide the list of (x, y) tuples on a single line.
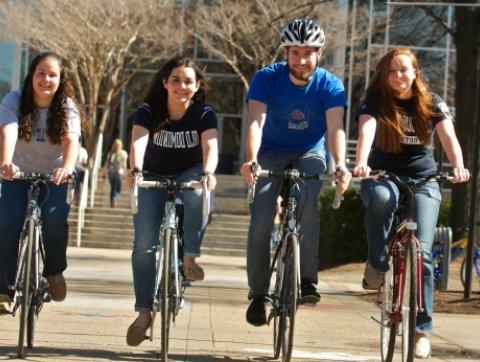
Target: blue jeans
[(263, 211), (54, 213), (381, 200), (147, 222), (115, 180)]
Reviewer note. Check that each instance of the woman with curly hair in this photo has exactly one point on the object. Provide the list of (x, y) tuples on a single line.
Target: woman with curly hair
[(40, 127), (397, 121)]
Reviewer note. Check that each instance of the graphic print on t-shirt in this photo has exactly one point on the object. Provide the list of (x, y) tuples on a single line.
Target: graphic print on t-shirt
[(299, 117), (183, 139), (40, 134)]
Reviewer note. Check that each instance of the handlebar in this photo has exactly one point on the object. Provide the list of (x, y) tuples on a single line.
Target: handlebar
[(172, 186), (294, 175), (42, 177)]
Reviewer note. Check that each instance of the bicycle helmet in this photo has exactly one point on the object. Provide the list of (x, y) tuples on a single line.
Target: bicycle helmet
[(304, 33)]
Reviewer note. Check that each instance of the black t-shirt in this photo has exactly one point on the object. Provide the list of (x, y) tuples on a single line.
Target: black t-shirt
[(415, 159), (177, 146)]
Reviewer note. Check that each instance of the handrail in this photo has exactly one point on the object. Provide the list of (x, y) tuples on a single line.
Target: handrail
[(81, 207), (96, 166)]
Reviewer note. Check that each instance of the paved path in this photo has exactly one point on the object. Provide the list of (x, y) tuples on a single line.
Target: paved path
[(91, 324)]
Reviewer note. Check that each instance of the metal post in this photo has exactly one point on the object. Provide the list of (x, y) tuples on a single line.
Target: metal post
[(473, 195), (350, 68), (369, 43)]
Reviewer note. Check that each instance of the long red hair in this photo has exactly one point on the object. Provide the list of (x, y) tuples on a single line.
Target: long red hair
[(390, 129)]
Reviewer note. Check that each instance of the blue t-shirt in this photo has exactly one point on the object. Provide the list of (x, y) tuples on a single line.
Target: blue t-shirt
[(296, 116)]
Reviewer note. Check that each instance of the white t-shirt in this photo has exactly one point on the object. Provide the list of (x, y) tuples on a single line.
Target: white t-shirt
[(81, 159), (39, 154)]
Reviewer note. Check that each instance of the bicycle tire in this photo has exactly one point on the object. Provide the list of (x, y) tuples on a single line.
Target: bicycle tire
[(31, 323), (26, 291), (165, 307), (278, 327), (388, 328), (289, 296), (463, 271), (31, 318), (409, 303)]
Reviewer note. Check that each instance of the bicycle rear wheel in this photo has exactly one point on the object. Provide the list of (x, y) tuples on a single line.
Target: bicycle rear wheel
[(289, 296), (165, 298), (26, 297), (409, 302), (388, 328)]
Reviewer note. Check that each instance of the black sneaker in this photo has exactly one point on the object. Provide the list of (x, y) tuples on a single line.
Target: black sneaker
[(309, 294), (257, 311)]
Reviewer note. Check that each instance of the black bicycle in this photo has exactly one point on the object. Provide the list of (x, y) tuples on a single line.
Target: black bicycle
[(169, 289), (285, 263), (30, 287)]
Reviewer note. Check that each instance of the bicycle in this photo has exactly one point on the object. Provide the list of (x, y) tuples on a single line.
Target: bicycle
[(457, 249), (285, 263), (401, 293), (169, 288), (30, 287)]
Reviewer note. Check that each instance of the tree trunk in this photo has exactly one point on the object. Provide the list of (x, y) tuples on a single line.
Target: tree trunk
[(467, 40)]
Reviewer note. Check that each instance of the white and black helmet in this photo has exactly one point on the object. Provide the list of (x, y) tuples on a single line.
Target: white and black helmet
[(304, 33)]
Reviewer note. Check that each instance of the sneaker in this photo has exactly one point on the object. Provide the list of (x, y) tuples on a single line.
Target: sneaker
[(423, 348), (257, 311), (309, 294), (372, 279), (57, 287), (5, 304)]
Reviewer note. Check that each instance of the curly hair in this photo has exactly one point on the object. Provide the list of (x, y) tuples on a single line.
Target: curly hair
[(59, 109), (390, 129), (157, 95)]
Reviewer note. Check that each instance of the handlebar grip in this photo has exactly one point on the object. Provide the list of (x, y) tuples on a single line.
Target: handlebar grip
[(251, 193), (134, 199), (337, 200)]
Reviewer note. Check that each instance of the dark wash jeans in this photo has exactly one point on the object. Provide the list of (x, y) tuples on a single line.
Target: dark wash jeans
[(54, 213), (263, 211)]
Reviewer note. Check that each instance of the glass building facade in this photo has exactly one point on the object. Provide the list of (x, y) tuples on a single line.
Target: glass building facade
[(13, 66)]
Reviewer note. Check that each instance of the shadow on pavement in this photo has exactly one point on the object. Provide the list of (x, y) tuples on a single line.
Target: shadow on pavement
[(46, 354)]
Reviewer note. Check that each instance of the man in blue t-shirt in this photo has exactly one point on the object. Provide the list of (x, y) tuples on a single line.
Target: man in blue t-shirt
[(293, 109)]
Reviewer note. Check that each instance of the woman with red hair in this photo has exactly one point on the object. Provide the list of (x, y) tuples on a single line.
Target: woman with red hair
[(397, 122)]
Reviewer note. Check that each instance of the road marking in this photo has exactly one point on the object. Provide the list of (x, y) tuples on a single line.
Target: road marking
[(324, 356)]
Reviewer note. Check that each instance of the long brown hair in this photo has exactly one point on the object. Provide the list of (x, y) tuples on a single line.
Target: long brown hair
[(57, 122), (390, 128)]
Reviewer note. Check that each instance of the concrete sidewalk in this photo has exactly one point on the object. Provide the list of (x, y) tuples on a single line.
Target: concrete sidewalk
[(92, 322)]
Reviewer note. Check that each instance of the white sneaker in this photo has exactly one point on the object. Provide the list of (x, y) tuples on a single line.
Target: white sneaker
[(422, 347)]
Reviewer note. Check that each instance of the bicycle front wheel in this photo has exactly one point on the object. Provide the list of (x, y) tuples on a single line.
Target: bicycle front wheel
[(165, 297), (26, 297), (409, 302), (278, 322), (289, 296), (388, 328)]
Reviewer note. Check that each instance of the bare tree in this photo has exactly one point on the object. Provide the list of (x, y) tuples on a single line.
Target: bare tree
[(245, 34), (102, 41)]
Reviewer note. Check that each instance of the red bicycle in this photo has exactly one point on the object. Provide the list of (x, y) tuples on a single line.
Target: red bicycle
[(401, 294)]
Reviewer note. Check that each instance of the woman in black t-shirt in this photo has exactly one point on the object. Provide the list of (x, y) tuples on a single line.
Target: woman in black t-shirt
[(397, 120), (174, 135)]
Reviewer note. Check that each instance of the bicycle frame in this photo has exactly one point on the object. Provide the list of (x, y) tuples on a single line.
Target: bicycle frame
[(398, 246)]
